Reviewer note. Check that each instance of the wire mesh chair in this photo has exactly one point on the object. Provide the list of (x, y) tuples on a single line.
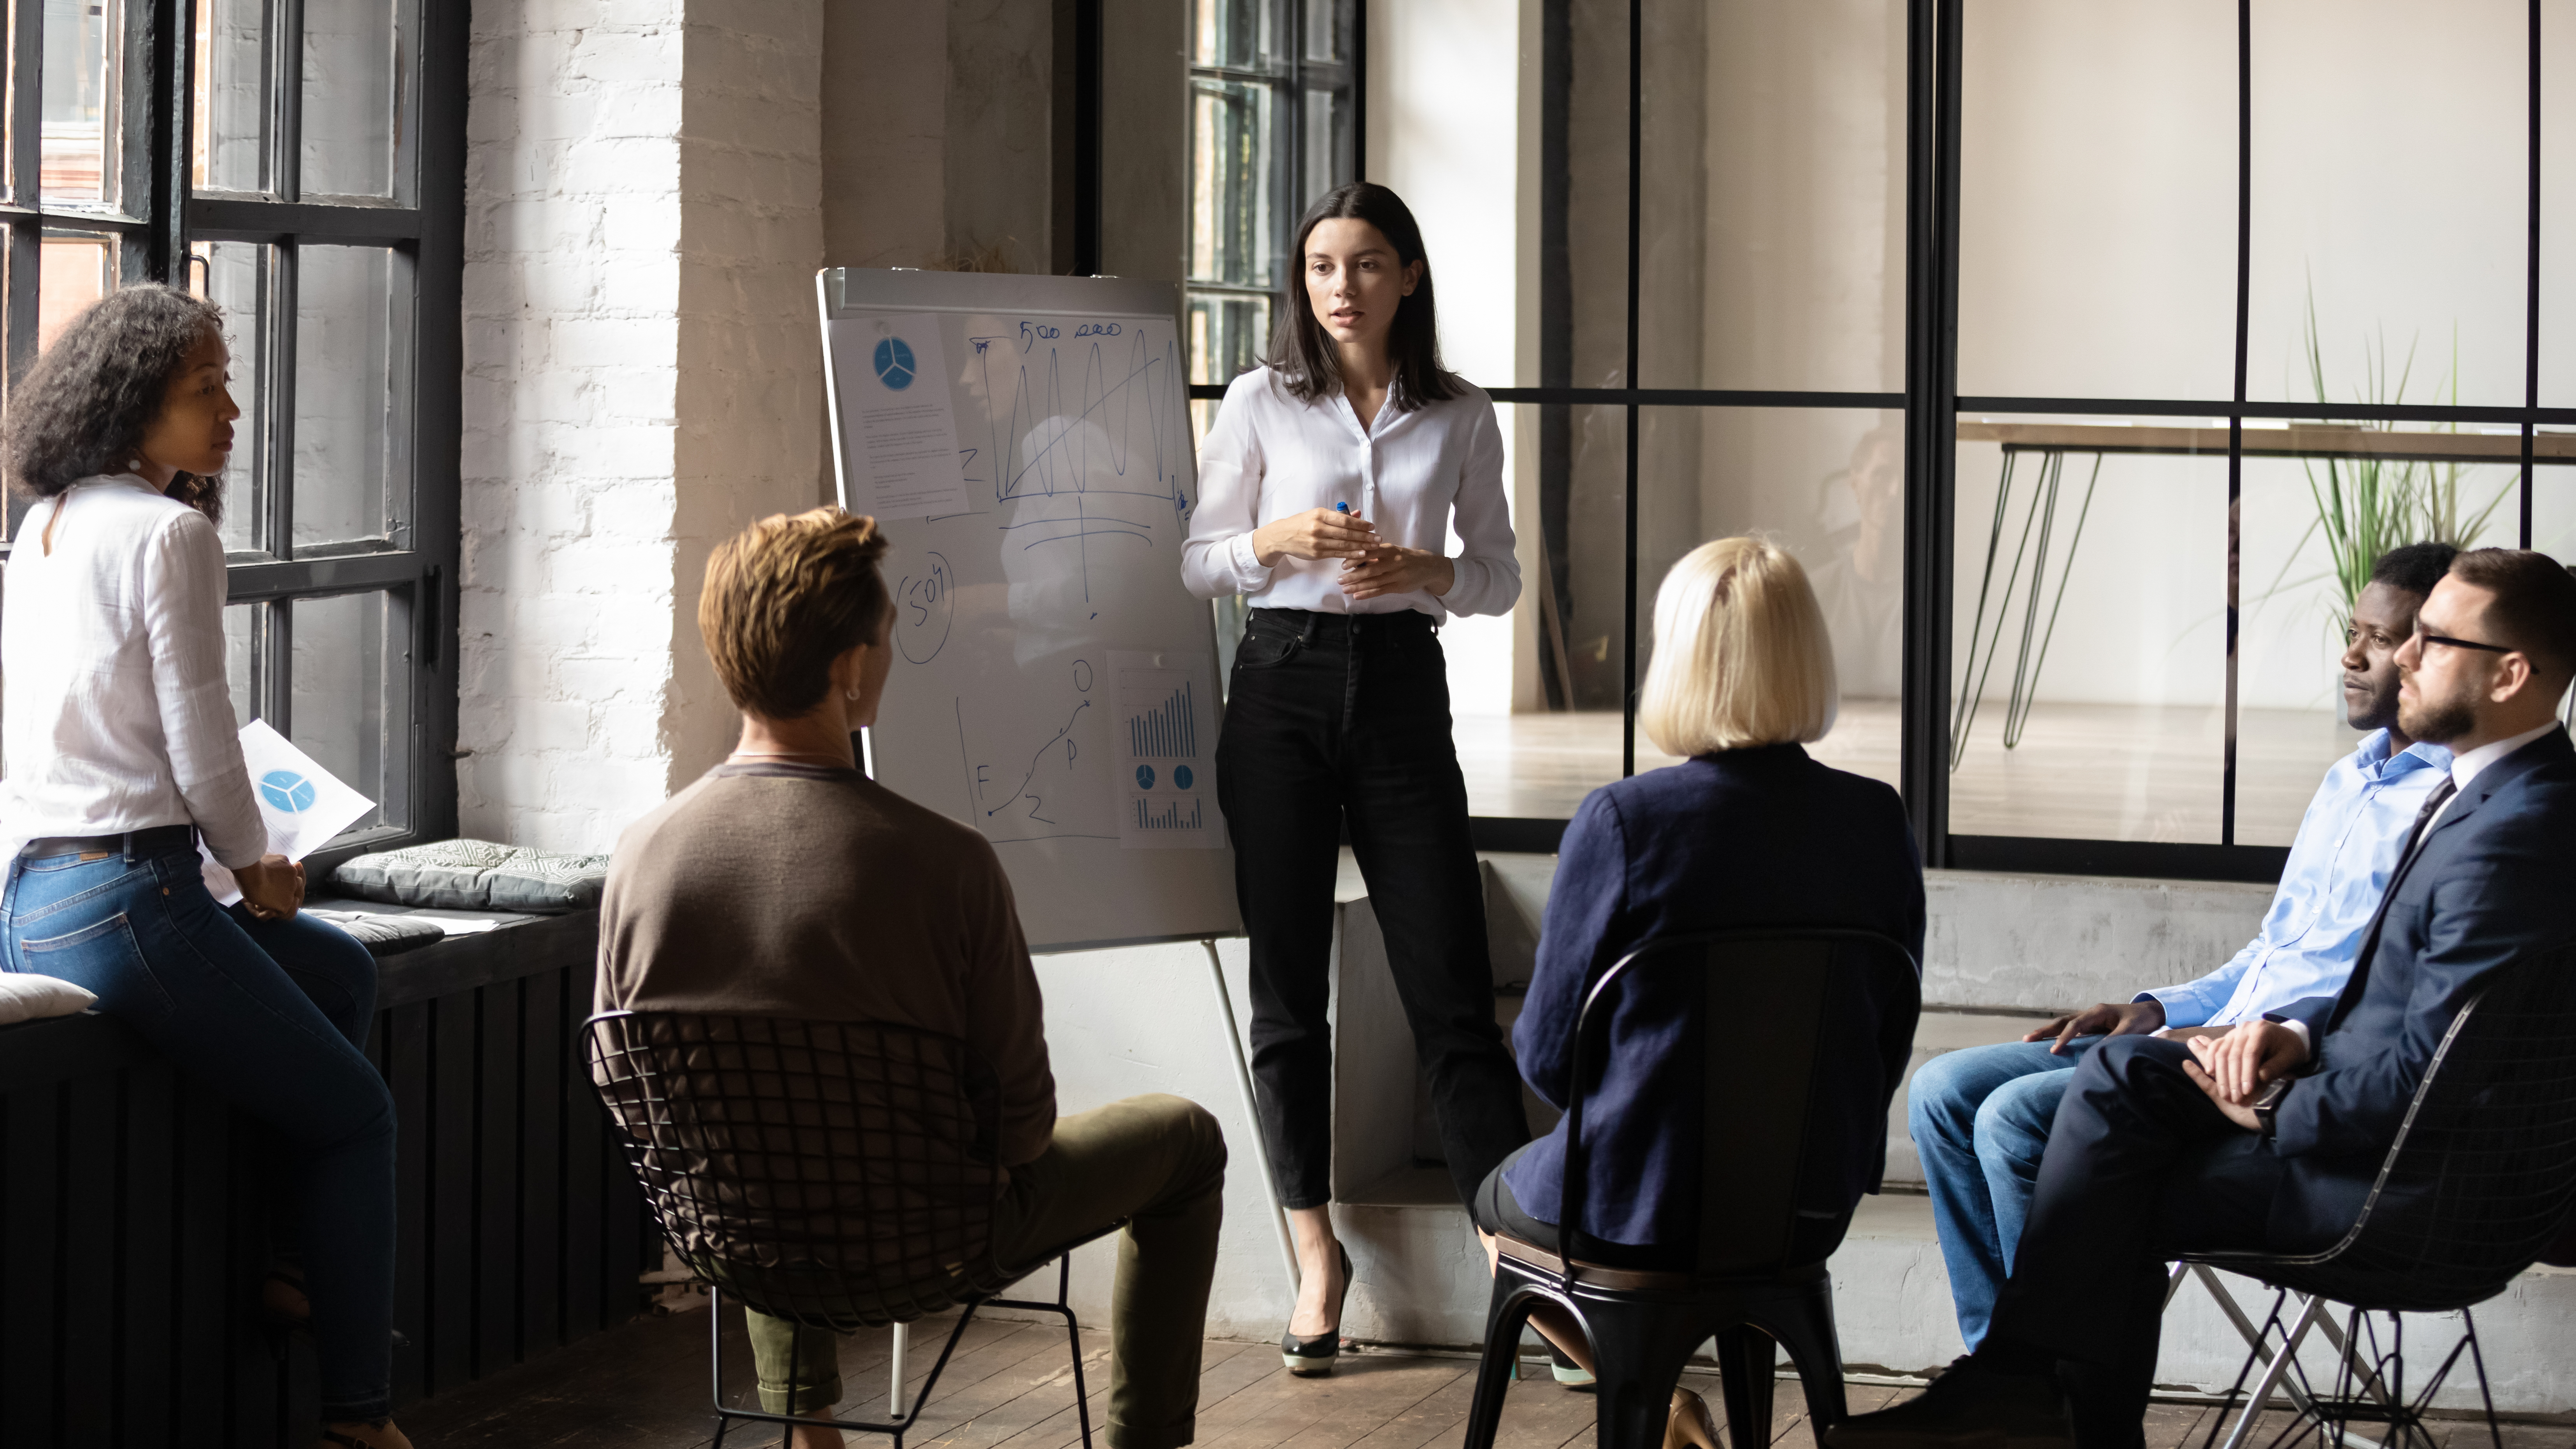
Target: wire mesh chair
[(1781, 1010), (2480, 1182), (834, 1174)]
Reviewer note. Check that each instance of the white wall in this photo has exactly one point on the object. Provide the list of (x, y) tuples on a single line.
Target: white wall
[(625, 163), (1444, 114)]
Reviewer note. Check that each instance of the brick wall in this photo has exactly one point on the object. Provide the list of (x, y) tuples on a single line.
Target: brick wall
[(642, 220)]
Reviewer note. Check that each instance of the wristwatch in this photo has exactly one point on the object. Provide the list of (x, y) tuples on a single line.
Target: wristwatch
[(2269, 1102)]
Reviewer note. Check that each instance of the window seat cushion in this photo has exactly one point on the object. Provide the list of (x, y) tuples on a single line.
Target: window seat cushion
[(26, 996), (475, 875)]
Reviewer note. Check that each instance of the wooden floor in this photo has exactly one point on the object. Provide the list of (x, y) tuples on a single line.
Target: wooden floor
[(644, 1386)]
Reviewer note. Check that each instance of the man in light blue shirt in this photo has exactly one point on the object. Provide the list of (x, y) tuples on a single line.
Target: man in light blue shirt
[(1980, 1117)]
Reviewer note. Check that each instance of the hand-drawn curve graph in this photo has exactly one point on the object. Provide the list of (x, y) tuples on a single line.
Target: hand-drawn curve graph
[(1084, 432), (1025, 783)]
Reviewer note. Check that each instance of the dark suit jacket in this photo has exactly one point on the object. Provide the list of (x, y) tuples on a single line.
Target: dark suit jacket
[(2495, 877), (1758, 837)]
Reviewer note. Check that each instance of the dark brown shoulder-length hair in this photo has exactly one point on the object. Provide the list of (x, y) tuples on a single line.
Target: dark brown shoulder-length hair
[(1302, 352), (82, 409)]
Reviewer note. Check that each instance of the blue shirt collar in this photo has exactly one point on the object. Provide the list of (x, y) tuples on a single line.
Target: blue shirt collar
[(2373, 757)]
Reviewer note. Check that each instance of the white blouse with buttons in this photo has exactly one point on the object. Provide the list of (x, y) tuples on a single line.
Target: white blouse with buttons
[(1269, 456)]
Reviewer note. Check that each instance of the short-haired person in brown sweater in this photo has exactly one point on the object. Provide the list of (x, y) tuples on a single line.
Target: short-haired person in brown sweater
[(786, 883)]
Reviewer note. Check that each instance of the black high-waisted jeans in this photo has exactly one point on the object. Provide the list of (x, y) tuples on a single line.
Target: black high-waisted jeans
[(1346, 717)]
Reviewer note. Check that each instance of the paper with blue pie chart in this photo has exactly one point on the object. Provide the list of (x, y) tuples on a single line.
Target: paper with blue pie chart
[(1164, 730), (894, 428), (303, 804)]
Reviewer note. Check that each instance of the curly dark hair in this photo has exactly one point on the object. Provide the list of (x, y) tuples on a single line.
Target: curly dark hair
[(82, 409)]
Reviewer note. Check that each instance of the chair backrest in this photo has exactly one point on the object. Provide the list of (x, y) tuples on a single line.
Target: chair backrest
[(828, 1170), (1786, 1010), (2482, 1176)]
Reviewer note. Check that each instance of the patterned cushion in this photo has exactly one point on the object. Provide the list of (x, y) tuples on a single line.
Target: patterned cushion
[(476, 875), (384, 935)]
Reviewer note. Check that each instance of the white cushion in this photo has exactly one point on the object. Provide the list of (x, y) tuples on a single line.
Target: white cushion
[(25, 996)]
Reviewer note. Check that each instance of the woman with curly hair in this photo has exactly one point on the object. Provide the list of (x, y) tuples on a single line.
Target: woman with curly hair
[(122, 753)]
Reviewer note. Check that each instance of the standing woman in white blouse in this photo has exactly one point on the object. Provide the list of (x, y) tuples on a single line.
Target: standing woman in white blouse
[(1329, 486), (122, 754)]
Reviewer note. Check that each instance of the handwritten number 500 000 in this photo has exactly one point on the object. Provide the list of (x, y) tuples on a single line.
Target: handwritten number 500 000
[(1033, 333)]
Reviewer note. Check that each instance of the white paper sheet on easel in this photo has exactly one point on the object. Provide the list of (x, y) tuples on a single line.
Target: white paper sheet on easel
[(304, 804), (898, 428)]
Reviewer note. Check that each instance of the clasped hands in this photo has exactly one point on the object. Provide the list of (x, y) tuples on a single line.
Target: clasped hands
[(2233, 1067), (273, 888), (1371, 566)]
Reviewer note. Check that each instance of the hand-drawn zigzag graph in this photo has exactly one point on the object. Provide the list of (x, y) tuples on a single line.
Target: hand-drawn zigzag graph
[(1083, 467)]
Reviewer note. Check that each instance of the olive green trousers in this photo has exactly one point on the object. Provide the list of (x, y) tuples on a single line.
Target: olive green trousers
[(1157, 1161)]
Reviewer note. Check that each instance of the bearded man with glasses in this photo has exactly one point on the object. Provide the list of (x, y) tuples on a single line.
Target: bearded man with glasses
[(2269, 1138)]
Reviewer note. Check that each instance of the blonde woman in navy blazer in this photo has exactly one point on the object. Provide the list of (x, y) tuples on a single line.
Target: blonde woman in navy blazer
[(1745, 831)]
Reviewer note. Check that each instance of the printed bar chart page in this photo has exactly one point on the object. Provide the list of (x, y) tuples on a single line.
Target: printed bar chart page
[(1165, 730)]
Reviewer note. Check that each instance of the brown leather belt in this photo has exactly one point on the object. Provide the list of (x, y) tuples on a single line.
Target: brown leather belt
[(133, 844)]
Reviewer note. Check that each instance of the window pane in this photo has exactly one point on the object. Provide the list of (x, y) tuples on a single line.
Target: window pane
[(2557, 210), (343, 392), (337, 689), (2291, 721), (75, 270), (1328, 26), (1563, 735), (1327, 147), (231, 97), (1773, 200), (236, 276), (349, 98), (1234, 181), (2391, 176), (1226, 338), (241, 628), (2097, 196), (1241, 33), (1828, 485), (2088, 629), (81, 66)]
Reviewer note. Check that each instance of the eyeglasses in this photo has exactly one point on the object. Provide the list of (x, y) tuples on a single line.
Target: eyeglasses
[(2468, 644)]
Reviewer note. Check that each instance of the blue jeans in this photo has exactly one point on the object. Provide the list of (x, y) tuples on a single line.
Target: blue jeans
[(1980, 1121), (270, 1016)]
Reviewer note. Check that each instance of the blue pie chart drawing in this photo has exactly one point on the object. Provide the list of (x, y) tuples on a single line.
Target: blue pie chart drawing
[(1144, 777), (893, 362), (287, 791), (1181, 777)]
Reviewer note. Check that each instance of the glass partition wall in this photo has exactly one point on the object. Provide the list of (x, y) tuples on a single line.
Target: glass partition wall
[(2084, 355), (300, 163)]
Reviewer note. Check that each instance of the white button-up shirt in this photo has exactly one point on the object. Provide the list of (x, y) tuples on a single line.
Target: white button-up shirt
[(1269, 456), (114, 713)]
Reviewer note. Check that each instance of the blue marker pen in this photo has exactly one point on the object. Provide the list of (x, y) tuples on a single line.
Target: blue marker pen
[(1344, 507)]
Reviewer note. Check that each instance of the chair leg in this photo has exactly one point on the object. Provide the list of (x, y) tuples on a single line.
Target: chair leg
[(1505, 1316), (1639, 1349), (715, 1358), (2273, 1372), (1806, 1330), (1746, 1357)]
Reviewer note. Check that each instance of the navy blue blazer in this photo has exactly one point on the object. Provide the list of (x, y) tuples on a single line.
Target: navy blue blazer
[(1757, 837), (2492, 879)]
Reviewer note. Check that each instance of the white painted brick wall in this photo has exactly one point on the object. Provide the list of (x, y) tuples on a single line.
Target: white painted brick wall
[(642, 223)]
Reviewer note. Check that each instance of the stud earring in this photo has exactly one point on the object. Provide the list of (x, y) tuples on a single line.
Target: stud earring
[(853, 694)]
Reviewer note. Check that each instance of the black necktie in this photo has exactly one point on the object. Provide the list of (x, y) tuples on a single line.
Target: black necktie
[(2433, 804)]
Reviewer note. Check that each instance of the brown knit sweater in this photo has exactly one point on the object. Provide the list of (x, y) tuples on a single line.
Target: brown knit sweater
[(787, 890)]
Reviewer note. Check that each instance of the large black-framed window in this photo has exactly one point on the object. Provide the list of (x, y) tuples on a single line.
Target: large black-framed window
[(1591, 77), (300, 162), (1277, 110)]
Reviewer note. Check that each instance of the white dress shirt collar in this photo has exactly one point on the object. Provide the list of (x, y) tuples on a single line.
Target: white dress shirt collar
[(2468, 766)]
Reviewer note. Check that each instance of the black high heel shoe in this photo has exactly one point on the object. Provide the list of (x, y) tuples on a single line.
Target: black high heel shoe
[(1312, 1357)]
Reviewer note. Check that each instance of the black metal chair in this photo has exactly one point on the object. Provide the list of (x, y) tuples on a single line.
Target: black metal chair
[(823, 1172), (1781, 1011), (2479, 1184)]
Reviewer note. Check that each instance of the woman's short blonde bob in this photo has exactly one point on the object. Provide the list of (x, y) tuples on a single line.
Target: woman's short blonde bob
[(1741, 653)]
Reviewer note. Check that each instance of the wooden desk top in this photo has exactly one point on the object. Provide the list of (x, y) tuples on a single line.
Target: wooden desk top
[(2299, 440)]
